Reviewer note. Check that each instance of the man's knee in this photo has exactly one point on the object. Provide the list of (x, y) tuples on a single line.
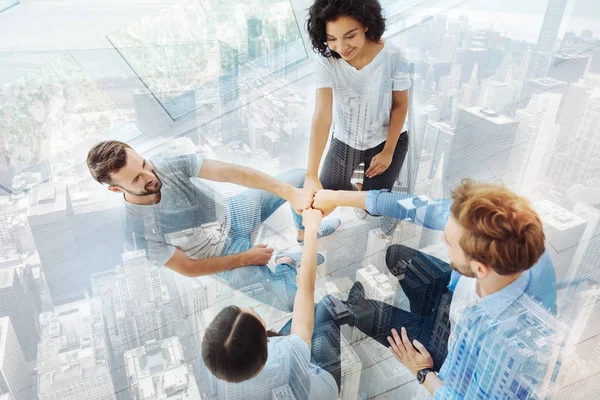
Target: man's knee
[(397, 253)]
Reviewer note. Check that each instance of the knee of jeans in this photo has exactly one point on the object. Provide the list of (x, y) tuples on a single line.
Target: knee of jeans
[(298, 175), (394, 251)]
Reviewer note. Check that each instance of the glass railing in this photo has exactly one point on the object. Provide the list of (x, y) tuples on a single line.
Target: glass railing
[(203, 51)]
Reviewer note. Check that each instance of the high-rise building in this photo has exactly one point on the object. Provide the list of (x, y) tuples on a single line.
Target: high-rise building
[(584, 159), (573, 105), (376, 245), (73, 359), (377, 287), (229, 94), (6, 170), (49, 217), (14, 372), (20, 307), (494, 95), (541, 86), (351, 371), (472, 57), (7, 212), (157, 370), (547, 39), (255, 42), (140, 310), (470, 90), (535, 139), (563, 230), (568, 67), (480, 147), (97, 226), (441, 136)]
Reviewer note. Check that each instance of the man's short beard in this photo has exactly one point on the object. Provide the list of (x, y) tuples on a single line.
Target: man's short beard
[(145, 192), (467, 271)]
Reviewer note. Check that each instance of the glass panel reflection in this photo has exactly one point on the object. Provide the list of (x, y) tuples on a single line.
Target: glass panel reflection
[(48, 116), (202, 51), (6, 4)]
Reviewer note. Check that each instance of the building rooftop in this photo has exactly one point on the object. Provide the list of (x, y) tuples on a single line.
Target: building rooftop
[(489, 115), (48, 198), (72, 345), (7, 277), (556, 216), (158, 370)]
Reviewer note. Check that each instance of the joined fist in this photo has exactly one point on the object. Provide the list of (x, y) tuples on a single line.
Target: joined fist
[(324, 201), (305, 199), (311, 219), (301, 199)]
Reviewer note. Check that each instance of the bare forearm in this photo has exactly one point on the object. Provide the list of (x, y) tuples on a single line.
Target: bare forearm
[(308, 270), (318, 141), (304, 303), (432, 382), (252, 178), (397, 118), (343, 198), (213, 265)]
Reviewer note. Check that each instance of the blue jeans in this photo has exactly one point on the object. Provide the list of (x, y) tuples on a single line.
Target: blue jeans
[(248, 210), (427, 321)]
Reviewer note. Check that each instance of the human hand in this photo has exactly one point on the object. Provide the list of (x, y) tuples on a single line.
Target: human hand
[(300, 199), (324, 201), (313, 183), (311, 219), (413, 355), (379, 164), (258, 255)]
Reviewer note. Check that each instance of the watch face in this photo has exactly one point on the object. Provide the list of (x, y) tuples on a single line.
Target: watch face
[(422, 374)]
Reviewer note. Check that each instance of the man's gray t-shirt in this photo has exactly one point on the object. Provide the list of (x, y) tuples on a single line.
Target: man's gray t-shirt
[(190, 214)]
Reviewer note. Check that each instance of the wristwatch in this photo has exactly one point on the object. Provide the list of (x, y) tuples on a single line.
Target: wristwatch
[(422, 374)]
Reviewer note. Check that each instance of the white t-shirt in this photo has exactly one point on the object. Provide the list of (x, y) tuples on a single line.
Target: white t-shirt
[(362, 99), (465, 295)]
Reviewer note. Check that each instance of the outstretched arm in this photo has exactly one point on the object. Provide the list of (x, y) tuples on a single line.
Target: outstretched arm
[(218, 171), (303, 321), (431, 214)]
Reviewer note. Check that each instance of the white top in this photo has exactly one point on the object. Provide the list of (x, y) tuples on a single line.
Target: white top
[(362, 99), (465, 296)]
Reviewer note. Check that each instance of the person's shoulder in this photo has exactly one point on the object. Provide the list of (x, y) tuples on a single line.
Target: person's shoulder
[(395, 52), (326, 62), (392, 48)]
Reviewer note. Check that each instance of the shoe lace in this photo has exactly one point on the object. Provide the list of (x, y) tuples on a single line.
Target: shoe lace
[(321, 229)]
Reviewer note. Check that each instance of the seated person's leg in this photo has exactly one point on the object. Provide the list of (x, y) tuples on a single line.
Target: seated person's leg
[(275, 289), (423, 278), (376, 319)]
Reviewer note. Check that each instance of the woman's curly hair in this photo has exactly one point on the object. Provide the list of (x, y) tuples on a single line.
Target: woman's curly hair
[(367, 12)]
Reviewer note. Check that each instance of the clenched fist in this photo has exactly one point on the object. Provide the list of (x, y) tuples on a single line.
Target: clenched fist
[(258, 255)]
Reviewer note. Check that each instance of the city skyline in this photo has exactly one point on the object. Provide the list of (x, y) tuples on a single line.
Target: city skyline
[(84, 315)]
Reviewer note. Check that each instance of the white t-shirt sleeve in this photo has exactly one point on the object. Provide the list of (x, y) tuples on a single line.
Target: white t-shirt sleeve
[(323, 73), (400, 73)]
